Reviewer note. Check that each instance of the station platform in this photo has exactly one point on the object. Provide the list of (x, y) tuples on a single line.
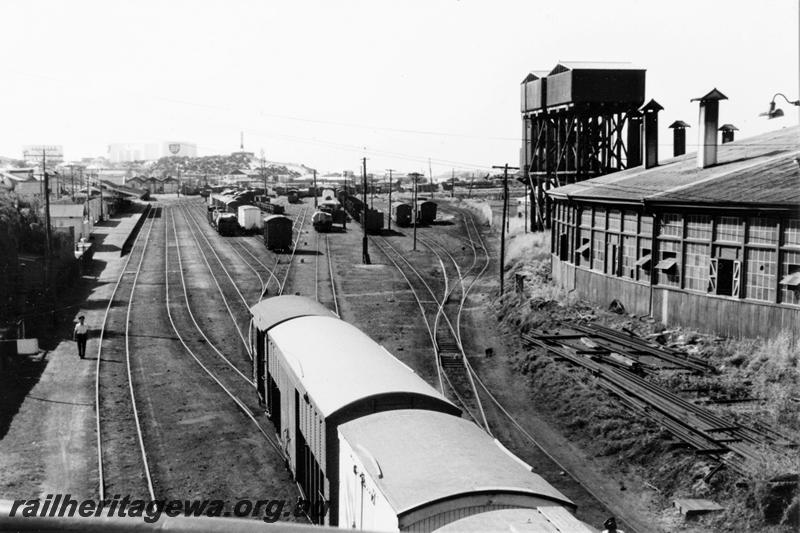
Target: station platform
[(48, 445)]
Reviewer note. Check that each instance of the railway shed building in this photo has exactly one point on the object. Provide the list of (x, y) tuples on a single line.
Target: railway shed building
[(715, 247), (322, 372), (414, 470)]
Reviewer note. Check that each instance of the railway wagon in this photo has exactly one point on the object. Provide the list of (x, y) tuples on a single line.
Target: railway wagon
[(293, 196), (227, 225), (372, 219), (413, 470), (250, 218), (268, 314), (336, 210), (402, 214), (314, 385), (328, 194), (427, 212), (278, 232), (322, 221), (269, 207)]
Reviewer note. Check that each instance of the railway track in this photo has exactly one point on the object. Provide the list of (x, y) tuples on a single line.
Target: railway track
[(444, 341), (122, 462), (230, 295), (329, 269), (231, 381)]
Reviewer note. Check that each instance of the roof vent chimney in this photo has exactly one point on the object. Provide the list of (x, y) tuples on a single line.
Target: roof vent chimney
[(650, 113), (707, 136), (634, 139), (678, 137), (727, 132)]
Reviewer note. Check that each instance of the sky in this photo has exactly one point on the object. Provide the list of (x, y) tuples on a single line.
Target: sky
[(328, 82)]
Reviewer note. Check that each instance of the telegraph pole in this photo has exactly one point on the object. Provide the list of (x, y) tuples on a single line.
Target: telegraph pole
[(503, 223), (415, 176), (47, 249), (430, 173), (390, 170), (453, 183), (364, 244), (264, 175), (315, 189)]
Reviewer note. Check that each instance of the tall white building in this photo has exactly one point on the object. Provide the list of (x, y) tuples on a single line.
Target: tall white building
[(123, 152)]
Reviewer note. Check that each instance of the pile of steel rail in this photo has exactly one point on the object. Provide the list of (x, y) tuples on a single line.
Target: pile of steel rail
[(619, 361)]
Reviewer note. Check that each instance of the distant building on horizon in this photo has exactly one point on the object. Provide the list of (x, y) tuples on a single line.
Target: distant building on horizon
[(150, 151)]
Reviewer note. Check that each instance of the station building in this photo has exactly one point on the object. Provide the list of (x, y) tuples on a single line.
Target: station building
[(712, 244)]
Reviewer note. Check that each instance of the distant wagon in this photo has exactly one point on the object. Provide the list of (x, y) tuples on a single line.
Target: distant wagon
[(427, 212), (293, 196), (250, 218), (278, 232), (373, 220), (322, 221), (336, 210), (227, 225), (402, 214)]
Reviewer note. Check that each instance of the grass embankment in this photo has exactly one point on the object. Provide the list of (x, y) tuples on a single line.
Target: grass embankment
[(765, 374)]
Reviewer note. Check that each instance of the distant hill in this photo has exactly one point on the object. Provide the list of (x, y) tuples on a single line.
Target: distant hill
[(218, 165)]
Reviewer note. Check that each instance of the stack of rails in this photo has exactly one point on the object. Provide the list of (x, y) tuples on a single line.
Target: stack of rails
[(738, 446)]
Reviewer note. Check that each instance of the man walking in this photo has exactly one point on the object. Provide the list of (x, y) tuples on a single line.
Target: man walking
[(80, 334)]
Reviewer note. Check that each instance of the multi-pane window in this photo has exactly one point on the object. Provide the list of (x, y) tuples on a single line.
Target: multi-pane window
[(599, 219), (670, 225), (599, 251), (628, 256), (646, 224), (762, 231), (762, 269), (584, 248), (586, 218), (629, 222), (614, 220), (695, 267), (668, 265), (729, 229), (791, 232), (698, 227), (646, 260), (612, 254), (790, 278)]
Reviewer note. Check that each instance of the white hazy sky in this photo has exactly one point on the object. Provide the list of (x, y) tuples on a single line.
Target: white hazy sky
[(327, 82)]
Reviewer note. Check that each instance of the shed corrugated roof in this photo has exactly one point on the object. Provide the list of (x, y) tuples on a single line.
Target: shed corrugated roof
[(425, 456), (756, 172), (338, 364), (270, 312), (66, 210)]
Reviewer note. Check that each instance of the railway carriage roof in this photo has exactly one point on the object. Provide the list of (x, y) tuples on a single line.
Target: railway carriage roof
[(549, 519), (339, 365), (452, 455), (270, 312)]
